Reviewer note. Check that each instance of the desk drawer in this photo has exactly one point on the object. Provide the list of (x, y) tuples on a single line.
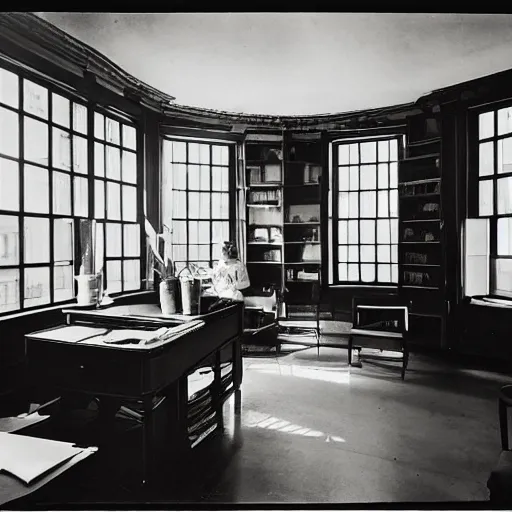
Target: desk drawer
[(89, 369)]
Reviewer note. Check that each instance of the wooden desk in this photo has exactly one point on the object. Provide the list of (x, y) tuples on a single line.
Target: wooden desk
[(123, 373)]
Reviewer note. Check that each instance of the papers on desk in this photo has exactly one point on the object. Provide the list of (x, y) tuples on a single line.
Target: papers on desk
[(13, 424), (29, 458), (74, 333)]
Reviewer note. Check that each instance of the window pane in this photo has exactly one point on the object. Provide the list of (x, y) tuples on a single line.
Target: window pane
[(113, 201), (129, 137), (367, 273), (343, 199), (99, 199), (9, 289), (353, 253), (193, 233), (180, 232), (505, 195), (113, 163), (9, 185), (224, 180), (353, 178), (353, 272), (61, 149), (393, 203), (9, 133), (486, 125), (383, 176), (60, 110), (9, 241), (224, 202), (343, 232), (179, 253), (353, 232), (36, 141), (179, 151), (504, 120), (204, 177), (504, 234), (193, 153), (384, 273), (220, 155), (394, 273), (505, 155), (61, 194), (99, 126), (179, 206), (394, 253), (80, 118), (37, 286), (353, 205), (343, 253), (114, 284), (79, 154), (343, 272), (354, 153), (204, 252), (367, 231), (220, 232), (368, 253), (502, 277), (393, 150), (193, 252), (63, 240), (193, 177), (113, 238), (216, 206), (113, 133), (35, 99), (131, 274), (368, 152), (99, 159), (81, 196), (485, 198), (129, 167), (204, 205), (36, 240), (36, 195), (383, 254), (368, 204), (383, 203), (383, 150), (8, 90), (368, 177), (393, 175), (63, 283), (486, 159), (131, 240), (343, 178), (383, 231), (129, 203), (343, 154), (179, 176), (394, 231)]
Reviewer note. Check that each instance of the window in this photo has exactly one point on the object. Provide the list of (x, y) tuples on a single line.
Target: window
[(495, 193), (364, 210), (196, 199), (116, 203), (46, 184)]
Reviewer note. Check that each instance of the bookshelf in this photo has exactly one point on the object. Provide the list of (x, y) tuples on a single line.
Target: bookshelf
[(421, 243)]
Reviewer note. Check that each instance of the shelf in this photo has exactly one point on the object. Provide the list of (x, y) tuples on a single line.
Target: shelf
[(279, 244), (302, 223), (420, 265), (302, 162), (304, 242), (265, 185), (269, 205), (316, 262), (420, 182), (303, 185), (420, 242), (424, 142), (415, 196), (311, 281), (265, 262), (420, 157), (422, 220), (417, 287)]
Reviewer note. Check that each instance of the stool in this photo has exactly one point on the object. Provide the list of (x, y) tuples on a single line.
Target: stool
[(500, 481)]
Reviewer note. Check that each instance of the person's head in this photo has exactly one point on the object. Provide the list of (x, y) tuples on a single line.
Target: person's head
[(229, 251)]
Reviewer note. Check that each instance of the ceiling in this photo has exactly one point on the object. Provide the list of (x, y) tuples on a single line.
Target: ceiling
[(296, 63)]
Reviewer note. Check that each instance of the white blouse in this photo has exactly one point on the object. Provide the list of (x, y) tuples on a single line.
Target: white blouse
[(229, 277)]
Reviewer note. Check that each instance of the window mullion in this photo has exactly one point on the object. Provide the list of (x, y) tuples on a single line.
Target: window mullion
[(21, 185), (50, 198)]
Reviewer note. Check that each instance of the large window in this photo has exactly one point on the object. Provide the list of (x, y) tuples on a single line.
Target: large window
[(495, 192), (46, 183), (196, 200), (365, 211)]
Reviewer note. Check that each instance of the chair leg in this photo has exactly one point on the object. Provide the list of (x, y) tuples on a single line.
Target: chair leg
[(405, 362), (502, 409), (350, 350)]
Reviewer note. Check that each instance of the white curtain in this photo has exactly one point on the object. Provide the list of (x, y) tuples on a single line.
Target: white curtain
[(240, 192)]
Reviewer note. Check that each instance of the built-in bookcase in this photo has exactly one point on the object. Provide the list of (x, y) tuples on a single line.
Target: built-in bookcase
[(421, 242)]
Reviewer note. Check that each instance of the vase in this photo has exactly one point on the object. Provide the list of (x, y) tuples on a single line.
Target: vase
[(168, 296)]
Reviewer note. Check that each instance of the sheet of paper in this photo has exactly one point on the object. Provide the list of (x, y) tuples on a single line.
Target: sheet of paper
[(29, 458), (13, 424), (73, 333)]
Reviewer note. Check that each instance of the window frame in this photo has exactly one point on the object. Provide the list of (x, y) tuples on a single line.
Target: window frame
[(21, 161), (474, 180), (334, 210)]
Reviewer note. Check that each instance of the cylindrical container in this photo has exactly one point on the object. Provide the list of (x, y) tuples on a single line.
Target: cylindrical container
[(168, 289), (87, 290), (190, 294)]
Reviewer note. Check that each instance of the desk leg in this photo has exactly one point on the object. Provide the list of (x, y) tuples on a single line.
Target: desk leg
[(217, 389), (238, 366), (147, 440)]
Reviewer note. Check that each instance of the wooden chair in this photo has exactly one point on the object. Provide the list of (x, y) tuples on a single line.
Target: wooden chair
[(500, 481), (379, 322)]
